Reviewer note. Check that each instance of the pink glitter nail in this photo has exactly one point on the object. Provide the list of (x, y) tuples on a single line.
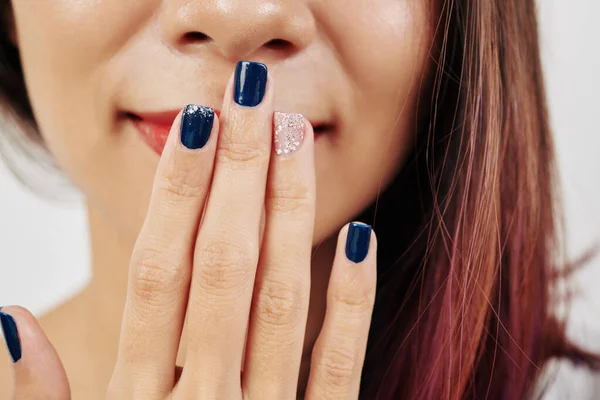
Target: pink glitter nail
[(289, 133)]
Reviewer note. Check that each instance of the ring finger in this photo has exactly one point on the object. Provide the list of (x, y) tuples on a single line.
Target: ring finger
[(282, 289)]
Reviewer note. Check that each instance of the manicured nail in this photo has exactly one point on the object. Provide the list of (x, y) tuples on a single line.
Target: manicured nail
[(196, 126), (250, 83), (289, 133), (11, 336), (357, 242)]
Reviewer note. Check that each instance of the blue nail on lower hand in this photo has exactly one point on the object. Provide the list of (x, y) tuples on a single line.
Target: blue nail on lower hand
[(11, 336)]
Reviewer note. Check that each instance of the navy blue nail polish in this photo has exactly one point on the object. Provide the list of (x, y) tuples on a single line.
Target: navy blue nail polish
[(357, 242), (196, 126), (250, 83), (11, 336)]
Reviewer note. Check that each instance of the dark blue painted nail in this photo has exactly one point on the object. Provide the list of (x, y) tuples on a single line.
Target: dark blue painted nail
[(357, 242), (11, 336), (250, 83), (196, 126)]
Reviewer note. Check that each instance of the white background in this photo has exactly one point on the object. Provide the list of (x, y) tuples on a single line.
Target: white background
[(44, 254)]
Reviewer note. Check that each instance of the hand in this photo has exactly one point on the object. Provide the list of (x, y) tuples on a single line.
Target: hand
[(244, 267)]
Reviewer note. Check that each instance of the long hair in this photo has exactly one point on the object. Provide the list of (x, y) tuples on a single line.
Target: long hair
[(469, 251), (467, 291)]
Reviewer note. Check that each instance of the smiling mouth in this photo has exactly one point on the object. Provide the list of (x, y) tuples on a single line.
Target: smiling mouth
[(154, 127)]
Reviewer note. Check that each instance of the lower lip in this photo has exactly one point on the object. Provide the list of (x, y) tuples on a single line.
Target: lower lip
[(155, 135)]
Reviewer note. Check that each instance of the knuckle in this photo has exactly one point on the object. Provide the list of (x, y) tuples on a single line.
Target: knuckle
[(225, 266), (154, 274), (358, 301), (281, 304), (287, 197), (176, 181), (241, 152), (242, 143), (336, 366)]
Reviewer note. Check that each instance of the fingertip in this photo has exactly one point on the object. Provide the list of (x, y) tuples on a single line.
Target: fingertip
[(10, 333), (18, 312), (373, 240), (37, 367), (309, 131), (26, 326), (24, 330)]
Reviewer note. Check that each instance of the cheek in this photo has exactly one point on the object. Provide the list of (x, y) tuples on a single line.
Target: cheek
[(65, 49), (385, 45), (66, 53), (384, 50)]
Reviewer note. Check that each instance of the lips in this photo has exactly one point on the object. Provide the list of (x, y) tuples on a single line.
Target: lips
[(154, 127)]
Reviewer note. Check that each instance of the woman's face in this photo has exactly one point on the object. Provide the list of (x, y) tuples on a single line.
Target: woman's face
[(106, 78)]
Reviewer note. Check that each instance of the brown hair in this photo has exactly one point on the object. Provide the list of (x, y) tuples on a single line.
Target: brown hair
[(467, 293), (467, 287)]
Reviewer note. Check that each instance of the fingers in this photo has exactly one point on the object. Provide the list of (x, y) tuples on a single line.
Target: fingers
[(160, 266), (338, 354), (226, 252), (282, 289), (38, 371)]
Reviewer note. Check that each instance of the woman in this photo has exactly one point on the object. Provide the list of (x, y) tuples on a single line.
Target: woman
[(214, 226)]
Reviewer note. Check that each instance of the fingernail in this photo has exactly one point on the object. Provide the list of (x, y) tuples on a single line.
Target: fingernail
[(250, 83), (289, 133), (11, 336), (357, 242), (196, 126)]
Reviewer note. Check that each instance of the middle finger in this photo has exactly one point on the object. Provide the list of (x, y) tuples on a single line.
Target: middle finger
[(227, 247)]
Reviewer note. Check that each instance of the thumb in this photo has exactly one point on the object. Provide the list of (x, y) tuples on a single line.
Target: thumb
[(38, 372)]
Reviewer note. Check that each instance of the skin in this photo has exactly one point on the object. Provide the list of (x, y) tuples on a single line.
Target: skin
[(356, 68)]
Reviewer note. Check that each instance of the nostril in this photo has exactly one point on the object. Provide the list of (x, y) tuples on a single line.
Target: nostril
[(278, 44), (194, 37)]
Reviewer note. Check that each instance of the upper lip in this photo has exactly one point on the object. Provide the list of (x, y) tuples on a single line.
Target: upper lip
[(166, 118)]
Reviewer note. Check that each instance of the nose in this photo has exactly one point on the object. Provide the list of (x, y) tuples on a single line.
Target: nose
[(238, 29)]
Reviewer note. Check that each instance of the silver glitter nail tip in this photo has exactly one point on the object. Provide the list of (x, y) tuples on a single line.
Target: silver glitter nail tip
[(289, 133)]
